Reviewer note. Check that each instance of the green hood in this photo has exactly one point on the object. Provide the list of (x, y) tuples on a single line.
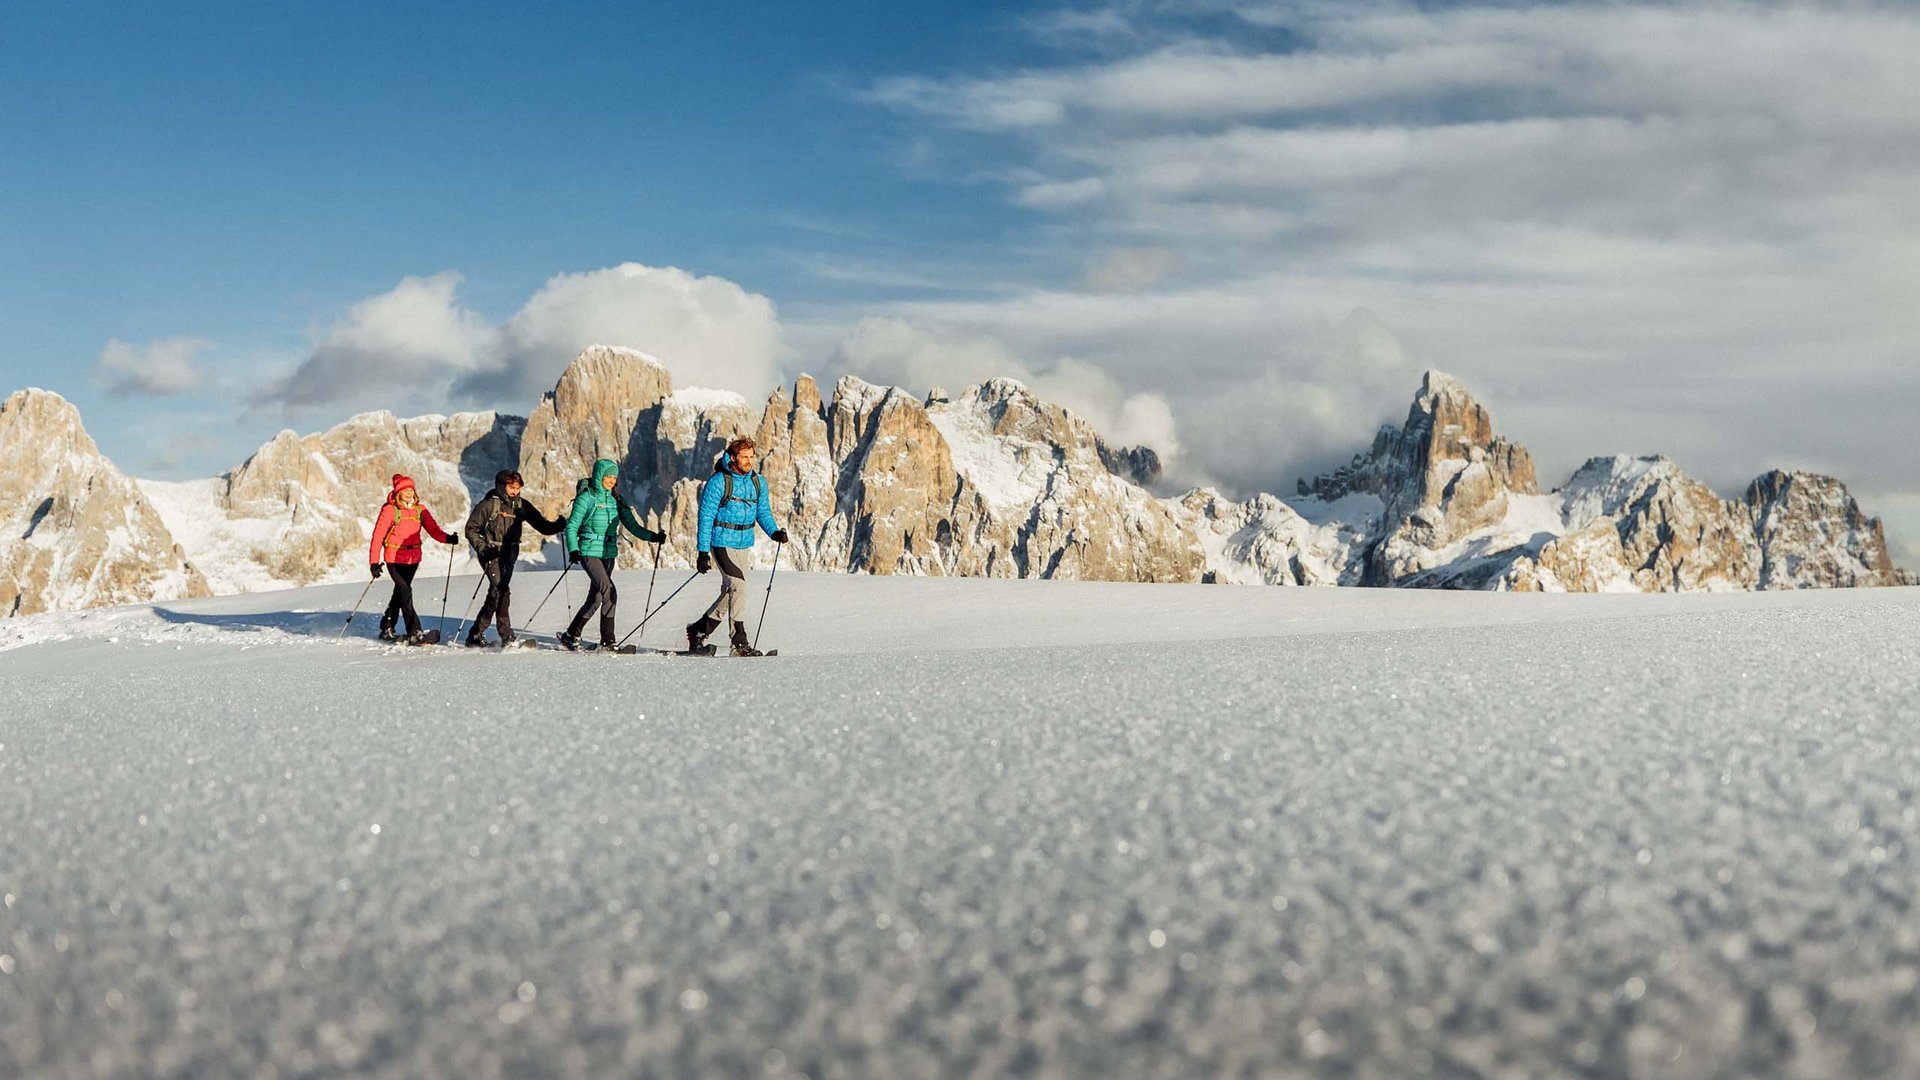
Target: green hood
[(602, 469)]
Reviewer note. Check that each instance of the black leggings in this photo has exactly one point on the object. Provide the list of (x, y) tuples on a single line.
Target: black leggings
[(602, 596), (499, 573), (401, 603)]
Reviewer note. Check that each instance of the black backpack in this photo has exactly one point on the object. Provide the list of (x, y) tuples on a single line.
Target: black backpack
[(726, 491)]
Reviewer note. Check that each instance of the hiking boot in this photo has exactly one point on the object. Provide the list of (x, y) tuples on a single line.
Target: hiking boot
[(697, 632), (387, 634), (569, 642), (508, 641), (741, 646), (476, 641)]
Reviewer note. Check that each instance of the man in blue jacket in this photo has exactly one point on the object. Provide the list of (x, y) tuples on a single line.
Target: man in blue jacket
[(732, 502)]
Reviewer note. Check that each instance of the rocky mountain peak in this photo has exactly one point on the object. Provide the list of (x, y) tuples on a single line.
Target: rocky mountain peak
[(74, 531), (991, 481), (1442, 474), (1812, 534), (1421, 462), (48, 415), (591, 413)]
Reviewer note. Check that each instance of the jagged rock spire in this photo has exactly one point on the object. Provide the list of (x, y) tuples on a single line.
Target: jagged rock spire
[(74, 531)]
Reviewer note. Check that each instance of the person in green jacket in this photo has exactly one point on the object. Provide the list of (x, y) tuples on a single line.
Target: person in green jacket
[(593, 540)]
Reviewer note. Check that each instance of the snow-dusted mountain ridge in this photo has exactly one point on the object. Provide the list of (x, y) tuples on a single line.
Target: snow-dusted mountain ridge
[(74, 531), (993, 481)]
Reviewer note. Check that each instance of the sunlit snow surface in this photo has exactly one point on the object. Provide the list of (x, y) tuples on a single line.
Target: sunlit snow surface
[(972, 829)]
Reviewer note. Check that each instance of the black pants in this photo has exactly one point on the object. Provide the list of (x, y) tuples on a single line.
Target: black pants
[(401, 602), (602, 596), (499, 573)]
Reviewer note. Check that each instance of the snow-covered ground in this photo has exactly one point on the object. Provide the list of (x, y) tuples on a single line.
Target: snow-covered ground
[(971, 828)]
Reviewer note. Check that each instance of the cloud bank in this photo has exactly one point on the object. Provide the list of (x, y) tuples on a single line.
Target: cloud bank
[(166, 368), (1643, 227), (1629, 227), (416, 347)]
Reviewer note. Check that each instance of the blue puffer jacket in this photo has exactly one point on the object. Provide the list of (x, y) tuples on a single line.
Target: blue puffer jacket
[(728, 522)]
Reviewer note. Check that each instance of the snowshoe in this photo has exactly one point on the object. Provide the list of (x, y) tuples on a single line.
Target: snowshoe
[(699, 650), (741, 649), (569, 642), (474, 641), (424, 637), (387, 634), (618, 650)]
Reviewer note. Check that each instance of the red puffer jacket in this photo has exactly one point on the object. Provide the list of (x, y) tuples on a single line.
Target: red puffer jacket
[(396, 535)]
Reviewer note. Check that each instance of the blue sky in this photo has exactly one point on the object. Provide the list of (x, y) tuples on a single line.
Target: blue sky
[(235, 170), (241, 172), (1234, 229)]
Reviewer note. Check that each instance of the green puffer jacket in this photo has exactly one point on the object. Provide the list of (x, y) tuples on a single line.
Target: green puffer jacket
[(593, 528)]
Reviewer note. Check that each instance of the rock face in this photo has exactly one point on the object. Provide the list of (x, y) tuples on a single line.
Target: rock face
[(301, 509), (992, 481), (1460, 508), (1812, 535), (77, 532), (598, 409), (1443, 476), (1264, 541)]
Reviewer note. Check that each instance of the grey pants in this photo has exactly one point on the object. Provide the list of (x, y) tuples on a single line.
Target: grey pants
[(732, 602), (602, 596)]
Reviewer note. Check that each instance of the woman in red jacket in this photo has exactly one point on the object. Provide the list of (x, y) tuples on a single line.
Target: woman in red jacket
[(396, 540)]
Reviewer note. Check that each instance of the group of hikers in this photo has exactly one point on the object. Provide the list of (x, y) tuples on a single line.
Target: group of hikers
[(733, 503)]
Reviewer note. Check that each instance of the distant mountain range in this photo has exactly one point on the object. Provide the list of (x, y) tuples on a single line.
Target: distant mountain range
[(991, 482)]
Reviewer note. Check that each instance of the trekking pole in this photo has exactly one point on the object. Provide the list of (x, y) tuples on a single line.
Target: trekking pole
[(769, 596), (648, 606), (446, 587), (528, 625), (356, 609), (469, 611), (663, 606)]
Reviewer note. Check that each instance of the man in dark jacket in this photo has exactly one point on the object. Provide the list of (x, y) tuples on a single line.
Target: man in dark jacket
[(494, 531)]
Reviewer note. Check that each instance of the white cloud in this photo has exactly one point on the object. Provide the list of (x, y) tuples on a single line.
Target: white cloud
[(412, 338), (899, 352), (1130, 269), (1643, 227), (163, 368), (415, 347), (708, 331)]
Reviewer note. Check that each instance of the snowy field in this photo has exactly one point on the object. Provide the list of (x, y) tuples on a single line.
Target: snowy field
[(971, 828)]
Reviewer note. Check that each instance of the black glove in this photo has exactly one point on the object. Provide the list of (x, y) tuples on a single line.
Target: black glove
[(779, 536), (573, 556), (705, 563), (376, 568), (453, 540)]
